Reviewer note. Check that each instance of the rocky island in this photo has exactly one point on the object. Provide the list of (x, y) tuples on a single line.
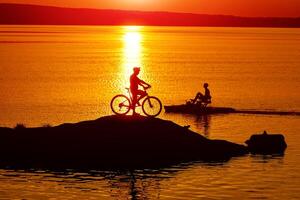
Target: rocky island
[(113, 142)]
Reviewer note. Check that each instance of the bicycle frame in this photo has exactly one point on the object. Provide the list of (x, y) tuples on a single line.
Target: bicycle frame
[(131, 99)]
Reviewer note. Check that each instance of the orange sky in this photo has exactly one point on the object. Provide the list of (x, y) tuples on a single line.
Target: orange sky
[(278, 8)]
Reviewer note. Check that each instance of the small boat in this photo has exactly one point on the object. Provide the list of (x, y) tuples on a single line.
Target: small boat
[(198, 109)]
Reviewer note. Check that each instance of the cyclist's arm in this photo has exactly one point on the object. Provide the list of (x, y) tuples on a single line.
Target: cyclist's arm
[(143, 83)]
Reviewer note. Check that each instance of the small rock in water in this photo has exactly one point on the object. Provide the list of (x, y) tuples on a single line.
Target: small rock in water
[(266, 143)]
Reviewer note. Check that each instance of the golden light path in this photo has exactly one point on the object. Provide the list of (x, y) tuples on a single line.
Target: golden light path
[(132, 51)]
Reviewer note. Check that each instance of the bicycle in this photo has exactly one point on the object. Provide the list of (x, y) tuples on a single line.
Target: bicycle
[(202, 103), (121, 104)]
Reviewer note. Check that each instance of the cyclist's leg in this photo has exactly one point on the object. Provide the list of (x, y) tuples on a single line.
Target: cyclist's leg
[(134, 99), (141, 94), (199, 95)]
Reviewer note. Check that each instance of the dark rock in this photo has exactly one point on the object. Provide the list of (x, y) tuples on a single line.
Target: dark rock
[(266, 144), (111, 141)]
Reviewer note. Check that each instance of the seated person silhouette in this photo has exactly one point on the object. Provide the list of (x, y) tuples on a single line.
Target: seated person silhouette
[(200, 98), (135, 82)]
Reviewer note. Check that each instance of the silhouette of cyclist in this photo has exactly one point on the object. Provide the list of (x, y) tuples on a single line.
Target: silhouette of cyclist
[(134, 88), (203, 98)]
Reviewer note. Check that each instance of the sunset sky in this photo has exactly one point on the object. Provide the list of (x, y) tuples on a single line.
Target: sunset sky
[(250, 8)]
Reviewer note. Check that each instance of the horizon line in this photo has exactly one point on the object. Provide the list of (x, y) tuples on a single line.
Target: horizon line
[(152, 11)]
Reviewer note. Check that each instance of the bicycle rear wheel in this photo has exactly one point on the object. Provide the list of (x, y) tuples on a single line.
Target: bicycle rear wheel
[(120, 104), (152, 106)]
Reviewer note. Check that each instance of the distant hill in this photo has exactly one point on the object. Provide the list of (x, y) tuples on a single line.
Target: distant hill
[(47, 15)]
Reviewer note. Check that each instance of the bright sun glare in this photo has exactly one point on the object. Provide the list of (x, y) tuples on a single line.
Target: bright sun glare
[(132, 40)]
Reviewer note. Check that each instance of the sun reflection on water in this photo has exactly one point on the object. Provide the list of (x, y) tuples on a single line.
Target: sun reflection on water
[(132, 50)]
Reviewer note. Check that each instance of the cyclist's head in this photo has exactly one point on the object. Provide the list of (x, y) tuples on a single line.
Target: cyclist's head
[(205, 85), (136, 70)]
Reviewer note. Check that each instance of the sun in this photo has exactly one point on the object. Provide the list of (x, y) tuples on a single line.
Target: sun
[(133, 39)]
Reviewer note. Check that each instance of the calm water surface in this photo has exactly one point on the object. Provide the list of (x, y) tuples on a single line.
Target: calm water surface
[(58, 74)]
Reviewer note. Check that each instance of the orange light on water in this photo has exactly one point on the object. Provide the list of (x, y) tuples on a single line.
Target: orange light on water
[(132, 50)]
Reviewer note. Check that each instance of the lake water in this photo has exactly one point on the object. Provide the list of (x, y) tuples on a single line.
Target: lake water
[(57, 74)]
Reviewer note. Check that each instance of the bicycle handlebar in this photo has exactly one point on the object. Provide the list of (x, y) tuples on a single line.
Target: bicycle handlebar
[(146, 88)]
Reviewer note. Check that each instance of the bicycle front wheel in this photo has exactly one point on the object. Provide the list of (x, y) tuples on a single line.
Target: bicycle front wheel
[(152, 106), (120, 104)]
